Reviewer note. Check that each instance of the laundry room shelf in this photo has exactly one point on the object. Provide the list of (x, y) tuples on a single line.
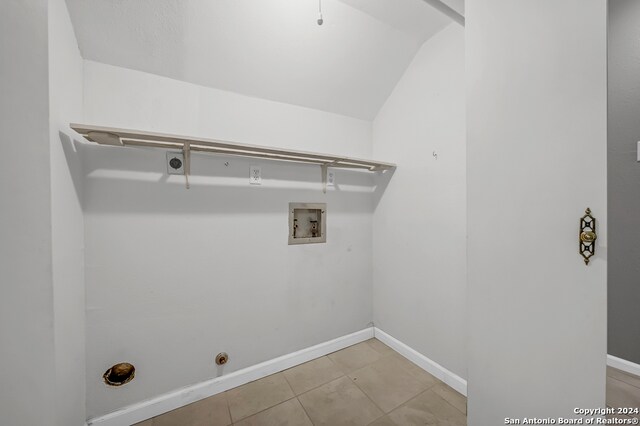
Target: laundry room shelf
[(124, 137)]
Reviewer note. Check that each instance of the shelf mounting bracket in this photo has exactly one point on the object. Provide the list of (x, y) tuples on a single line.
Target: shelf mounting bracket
[(186, 151), (324, 168)]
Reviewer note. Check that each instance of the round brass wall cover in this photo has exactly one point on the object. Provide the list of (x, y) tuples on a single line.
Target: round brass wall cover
[(119, 374)]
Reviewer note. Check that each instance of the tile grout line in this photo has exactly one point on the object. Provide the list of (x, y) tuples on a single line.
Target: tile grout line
[(420, 393), (286, 400), (622, 381), (456, 408), (305, 411), (624, 373), (320, 385), (261, 411), (287, 381), (429, 387), (369, 398), (445, 400), (383, 356), (296, 395), (346, 375), (427, 390), (394, 352), (228, 408), (362, 390), (615, 404), (264, 409)]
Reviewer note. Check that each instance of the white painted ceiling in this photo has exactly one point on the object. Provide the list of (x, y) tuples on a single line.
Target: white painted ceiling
[(271, 49)]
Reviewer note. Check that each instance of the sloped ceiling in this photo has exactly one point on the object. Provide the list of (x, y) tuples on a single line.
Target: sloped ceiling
[(271, 49), (456, 5)]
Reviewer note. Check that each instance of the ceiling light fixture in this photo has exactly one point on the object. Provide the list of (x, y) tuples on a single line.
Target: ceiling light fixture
[(320, 20)]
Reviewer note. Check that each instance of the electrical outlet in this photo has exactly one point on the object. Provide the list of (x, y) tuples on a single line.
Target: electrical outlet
[(255, 175), (175, 163), (331, 177)]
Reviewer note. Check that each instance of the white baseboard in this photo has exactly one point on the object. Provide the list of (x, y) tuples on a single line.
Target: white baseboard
[(187, 395), (624, 365), (432, 367)]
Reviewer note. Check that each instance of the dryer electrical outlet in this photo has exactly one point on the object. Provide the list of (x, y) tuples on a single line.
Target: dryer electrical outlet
[(175, 163), (307, 223)]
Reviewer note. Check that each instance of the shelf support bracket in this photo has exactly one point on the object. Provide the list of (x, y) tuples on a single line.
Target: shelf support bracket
[(324, 168), (186, 151)]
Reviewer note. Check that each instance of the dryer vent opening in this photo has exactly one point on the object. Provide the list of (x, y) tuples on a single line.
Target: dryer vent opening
[(119, 374)]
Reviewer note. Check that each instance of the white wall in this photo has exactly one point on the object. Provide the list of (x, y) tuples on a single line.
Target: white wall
[(174, 276), (536, 153), (419, 263), (27, 369), (65, 100)]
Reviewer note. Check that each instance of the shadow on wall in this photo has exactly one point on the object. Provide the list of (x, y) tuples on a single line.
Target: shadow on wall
[(382, 181), (132, 179), (74, 162)]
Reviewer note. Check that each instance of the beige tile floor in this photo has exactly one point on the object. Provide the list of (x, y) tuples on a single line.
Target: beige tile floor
[(364, 384), (623, 390)]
